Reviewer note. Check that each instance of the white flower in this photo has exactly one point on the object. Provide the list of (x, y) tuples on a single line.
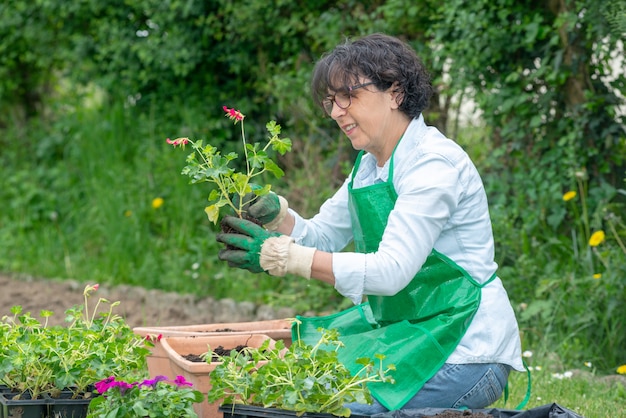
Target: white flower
[(588, 364), (560, 376), (527, 354)]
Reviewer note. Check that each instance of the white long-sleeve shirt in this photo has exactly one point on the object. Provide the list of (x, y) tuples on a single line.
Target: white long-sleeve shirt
[(441, 204)]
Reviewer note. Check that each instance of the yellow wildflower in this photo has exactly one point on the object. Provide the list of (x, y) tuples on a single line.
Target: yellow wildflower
[(597, 276), (157, 202), (621, 369), (596, 238), (128, 213), (569, 195)]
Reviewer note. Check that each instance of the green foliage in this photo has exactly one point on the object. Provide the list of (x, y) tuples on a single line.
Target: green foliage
[(565, 275), (158, 397), (545, 87), (36, 358), (615, 14), (208, 164), (302, 378), (28, 31)]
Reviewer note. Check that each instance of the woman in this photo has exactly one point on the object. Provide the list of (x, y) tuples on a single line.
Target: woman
[(416, 210)]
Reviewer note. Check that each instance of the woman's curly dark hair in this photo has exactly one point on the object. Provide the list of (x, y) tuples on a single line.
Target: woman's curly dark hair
[(383, 59)]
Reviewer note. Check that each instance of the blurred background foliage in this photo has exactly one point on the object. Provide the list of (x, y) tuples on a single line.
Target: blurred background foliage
[(534, 90)]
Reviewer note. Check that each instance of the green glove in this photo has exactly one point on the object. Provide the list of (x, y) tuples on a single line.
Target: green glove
[(263, 208), (244, 246)]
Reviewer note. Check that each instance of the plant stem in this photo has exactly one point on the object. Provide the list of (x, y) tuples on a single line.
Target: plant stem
[(245, 150), (616, 236)]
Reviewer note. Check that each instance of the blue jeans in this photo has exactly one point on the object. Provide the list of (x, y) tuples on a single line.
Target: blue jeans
[(472, 386)]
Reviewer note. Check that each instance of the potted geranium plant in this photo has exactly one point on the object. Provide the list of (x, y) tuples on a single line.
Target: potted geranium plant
[(207, 164), (157, 397), (52, 364), (301, 378), (193, 357)]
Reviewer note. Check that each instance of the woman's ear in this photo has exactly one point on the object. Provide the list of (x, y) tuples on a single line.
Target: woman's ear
[(397, 96)]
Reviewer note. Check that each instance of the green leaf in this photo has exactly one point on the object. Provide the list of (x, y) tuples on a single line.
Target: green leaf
[(274, 169), (263, 191), (213, 213), (281, 145)]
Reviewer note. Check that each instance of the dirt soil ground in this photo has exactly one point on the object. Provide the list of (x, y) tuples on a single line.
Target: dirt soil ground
[(139, 306)]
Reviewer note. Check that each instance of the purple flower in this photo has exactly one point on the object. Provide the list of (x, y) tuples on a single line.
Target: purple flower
[(123, 386), (153, 382), (180, 381), (104, 385)]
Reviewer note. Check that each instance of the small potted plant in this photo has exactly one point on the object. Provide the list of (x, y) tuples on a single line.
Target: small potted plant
[(207, 164), (158, 397), (57, 365), (194, 357), (290, 382)]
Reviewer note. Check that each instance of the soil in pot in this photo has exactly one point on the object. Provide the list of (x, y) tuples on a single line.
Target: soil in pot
[(217, 353)]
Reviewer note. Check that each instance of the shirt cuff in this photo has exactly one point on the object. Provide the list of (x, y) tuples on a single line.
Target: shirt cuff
[(298, 231), (349, 270)]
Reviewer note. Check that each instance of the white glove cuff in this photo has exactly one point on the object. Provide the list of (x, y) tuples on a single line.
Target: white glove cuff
[(275, 223), (280, 255)]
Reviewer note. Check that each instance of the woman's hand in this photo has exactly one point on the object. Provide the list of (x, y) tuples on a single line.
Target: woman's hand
[(256, 249), (244, 246)]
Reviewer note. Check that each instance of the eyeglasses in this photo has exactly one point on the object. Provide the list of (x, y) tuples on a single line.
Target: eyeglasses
[(343, 100)]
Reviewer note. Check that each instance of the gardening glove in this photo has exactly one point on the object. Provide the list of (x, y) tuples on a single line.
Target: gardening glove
[(259, 250), (281, 255), (270, 209), (243, 246)]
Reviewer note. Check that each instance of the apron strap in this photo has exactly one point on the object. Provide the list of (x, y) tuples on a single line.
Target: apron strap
[(491, 279), (528, 390)]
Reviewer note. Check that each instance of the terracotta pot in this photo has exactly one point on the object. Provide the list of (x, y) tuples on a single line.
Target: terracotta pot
[(159, 363), (198, 372)]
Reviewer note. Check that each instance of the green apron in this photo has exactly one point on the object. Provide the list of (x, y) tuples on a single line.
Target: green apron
[(418, 328)]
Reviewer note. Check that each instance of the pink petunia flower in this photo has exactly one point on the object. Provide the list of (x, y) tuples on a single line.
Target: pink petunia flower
[(153, 382), (122, 386), (104, 385), (180, 381)]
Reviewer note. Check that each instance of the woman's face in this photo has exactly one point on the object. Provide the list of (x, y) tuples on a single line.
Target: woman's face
[(372, 122)]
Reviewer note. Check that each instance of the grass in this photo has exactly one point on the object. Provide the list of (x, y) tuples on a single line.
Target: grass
[(580, 391)]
